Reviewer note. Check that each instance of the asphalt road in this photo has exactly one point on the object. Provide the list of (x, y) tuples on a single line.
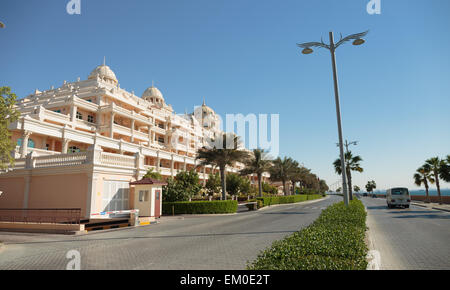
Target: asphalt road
[(196, 242), (414, 238)]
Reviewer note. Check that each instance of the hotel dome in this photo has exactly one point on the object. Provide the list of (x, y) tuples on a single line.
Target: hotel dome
[(103, 72), (153, 95)]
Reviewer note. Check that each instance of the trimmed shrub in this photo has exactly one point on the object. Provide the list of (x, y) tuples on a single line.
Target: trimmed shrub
[(335, 241), (200, 207), (267, 201)]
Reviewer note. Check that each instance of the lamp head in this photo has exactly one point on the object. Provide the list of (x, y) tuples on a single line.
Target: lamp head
[(358, 41), (307, 50)]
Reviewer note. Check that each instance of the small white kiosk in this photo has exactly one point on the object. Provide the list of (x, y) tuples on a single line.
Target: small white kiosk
[(148, 197)]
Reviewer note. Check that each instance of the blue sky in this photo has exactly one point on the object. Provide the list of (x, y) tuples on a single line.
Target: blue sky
[(242, 57)]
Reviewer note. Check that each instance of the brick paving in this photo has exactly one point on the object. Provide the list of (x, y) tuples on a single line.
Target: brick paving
[(194, 242)]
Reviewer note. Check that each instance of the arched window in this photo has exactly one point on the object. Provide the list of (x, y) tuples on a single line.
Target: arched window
[(30, 143)]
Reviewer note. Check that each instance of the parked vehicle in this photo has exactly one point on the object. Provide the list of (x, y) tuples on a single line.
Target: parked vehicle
[(398, 196)]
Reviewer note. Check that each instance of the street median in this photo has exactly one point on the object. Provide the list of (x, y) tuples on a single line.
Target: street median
[(335, 241)]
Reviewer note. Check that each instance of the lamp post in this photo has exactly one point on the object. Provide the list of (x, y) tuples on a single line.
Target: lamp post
[(332, 48)]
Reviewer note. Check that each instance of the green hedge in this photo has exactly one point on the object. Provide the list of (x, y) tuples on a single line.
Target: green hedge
[(266, 201), (200, 207), (335, 241)]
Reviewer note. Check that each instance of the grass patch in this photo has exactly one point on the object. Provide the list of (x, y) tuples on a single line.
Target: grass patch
[(335, 241)]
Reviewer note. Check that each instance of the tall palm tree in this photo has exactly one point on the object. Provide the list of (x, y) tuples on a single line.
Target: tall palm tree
[(423, 176), (436, 165), (257, 164), (225, 155), (352, 163), (445, 170), (281, 170)]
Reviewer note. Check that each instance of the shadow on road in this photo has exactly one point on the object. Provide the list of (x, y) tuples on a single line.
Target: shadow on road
[(377, 207), (425, 216)]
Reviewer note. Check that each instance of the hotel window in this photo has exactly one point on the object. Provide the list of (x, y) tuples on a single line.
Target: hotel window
[(90, 118), (73, 149), (160, 139), (30, 143), (57, 111), (79, 116)]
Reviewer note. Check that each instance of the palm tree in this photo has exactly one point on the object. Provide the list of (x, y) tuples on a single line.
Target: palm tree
[(258, 164), (298, 174), (437, 166), (423, 176), (445, 170), (351, 164), (370, 186), (222, 157), (281, 171)]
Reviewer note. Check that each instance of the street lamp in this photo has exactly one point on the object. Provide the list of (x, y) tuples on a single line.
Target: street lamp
[(358, 40)]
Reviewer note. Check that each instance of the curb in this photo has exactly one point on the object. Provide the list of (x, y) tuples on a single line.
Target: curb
[(373, 256), (442, 209), (431, 207)]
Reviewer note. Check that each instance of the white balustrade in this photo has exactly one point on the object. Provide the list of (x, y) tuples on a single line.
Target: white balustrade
[(60, 160), (117, 160)]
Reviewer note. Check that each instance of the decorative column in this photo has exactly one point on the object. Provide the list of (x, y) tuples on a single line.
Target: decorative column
[(150, 135), (158, 161), (65, 145), (73, 113), (184, 164), (111, 132), (139, 164), (132, 130), (24, 146)]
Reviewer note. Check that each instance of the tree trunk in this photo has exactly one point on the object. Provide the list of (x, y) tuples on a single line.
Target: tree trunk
[(224, 183), (260, 184), (436, 176), (427, 199), (284, 187), (349, 182)]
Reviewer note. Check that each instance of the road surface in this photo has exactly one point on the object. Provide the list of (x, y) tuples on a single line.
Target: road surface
[(196, 242), (414, 238)]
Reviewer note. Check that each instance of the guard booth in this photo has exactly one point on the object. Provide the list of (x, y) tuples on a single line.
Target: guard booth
[(148, 197)]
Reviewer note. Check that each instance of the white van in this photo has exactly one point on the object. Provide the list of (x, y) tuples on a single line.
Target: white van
[(398, 196)]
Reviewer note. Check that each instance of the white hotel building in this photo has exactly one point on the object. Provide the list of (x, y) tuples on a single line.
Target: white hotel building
[(79, 145)]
